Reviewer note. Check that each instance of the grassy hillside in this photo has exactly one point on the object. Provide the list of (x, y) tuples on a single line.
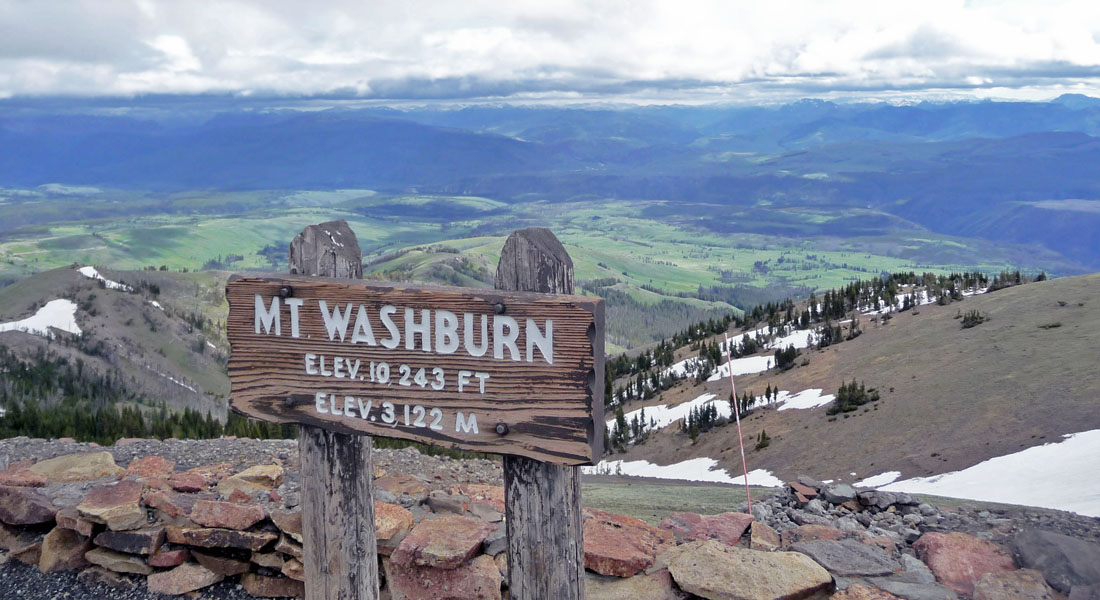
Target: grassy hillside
[(951, 397)]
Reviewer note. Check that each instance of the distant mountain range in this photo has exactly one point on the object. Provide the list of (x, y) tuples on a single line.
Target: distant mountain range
[(981, 169)]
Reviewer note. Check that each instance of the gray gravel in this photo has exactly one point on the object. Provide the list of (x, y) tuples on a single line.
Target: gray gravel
[(18, 580)]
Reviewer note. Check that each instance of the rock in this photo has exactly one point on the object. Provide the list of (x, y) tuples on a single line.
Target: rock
[(839, 493), (443, 503), (445, 543), (28, 555), (290, 523), (493, 495), (479, 579), (294, 569), (101, 576), (391, 524), (16, 539), (220, 538), (78, 467), (927, 510), (815, 507), (726, 527), (136, 541), (1065, 562), (848, 558), (253, 480), (63, 549), (25, 506), (1085, 592), (497, 540), (226, 515), (485, 512), (719, 572), (959, 560), (68, 518), (150, 466), (501, 561), (809, 533), (288, 546), (1024, 584), (621, 546), (848, 524), (22, 477), (118, 506), (187, 482), (654, 586), (863, 592), (174, 504), (185, 578), (811, 483), (763, 537), (260, 586), (118, 562), (222, 565), (402, 485), (169, 558), (914, 571), (917, 591), (803, 490), (271, 560), (880, 499)]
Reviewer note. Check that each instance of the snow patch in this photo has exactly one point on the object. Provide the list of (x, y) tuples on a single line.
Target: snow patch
[(156, 304), (664, 416), (1054, 475), (178, 382), (58, 314), (811, 398), (91, 273), (695, 469), (880, 479)]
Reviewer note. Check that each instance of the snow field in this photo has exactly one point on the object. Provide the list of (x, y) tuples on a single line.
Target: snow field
[(91, 273), (695, 469), (59, 314)]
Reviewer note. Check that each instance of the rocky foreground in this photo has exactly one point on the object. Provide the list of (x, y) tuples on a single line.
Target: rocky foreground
[(222, 519)]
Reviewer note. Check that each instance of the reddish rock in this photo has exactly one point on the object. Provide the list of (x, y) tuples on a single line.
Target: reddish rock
[(174, 504), (810, 533), (288, 546), (226, 515), (241, 497), (118, 506), (294, 569), (804, 490), (271, 560), (493, 495), (763, 537), (959, 560), (645, 586), (402, 484), (23, 477), (187, 577), (63, 549), (689, 527), (620, 546), (150, 466), (135, 541), (445, 543), (187, 482), (863, 592), (477, 580), (169, 558), (220, 538), (391, 523), (260, 586), (25, 506), (211, 474), (222, 565), (291, 523)]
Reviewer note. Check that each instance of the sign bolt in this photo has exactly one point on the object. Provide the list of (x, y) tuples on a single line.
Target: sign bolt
[(499, 308), (501, 429), (286, 292)]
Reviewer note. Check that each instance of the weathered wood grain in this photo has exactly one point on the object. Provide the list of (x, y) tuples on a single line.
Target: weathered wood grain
[(547, 410), (543, 500), (340, 556)]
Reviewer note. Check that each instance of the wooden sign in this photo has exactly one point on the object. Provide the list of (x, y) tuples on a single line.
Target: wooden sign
[(483, 370)]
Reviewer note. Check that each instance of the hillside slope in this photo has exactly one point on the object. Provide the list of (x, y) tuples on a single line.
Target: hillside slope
[(951, 397)]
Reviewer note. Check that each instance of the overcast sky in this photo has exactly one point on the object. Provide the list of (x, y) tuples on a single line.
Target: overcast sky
[(555, 50)]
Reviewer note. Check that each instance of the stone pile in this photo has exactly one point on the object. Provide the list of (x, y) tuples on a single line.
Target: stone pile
[(178, 531)]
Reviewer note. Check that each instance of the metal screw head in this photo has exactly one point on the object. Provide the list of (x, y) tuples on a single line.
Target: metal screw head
[(286, 292), (499, 308), (501, 429)]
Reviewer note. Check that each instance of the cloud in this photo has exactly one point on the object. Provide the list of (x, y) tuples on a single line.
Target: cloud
[(477, 49)]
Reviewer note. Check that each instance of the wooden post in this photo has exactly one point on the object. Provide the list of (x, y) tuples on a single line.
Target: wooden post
[(340, 553), (542, 501)]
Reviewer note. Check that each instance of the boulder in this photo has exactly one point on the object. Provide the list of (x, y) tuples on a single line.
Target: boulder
[(652, 586), (30, 554), (261, 586), (15, 539), (445, 543), (402, 485), (809, 533), (959, 560), (118, 562), (207, 537), (763, 537), (863, 592), (135, 541), (917, 591), (185, 578), (718, 572), (441, 502), (68, 518), (839, 493), (187, 482), (118, 506), (150, 466), (477, 580), (260, 478), (290, 523), (63, 549), (1065, 562), (689, 527), (803, 490), (1024, 584), (78, 467), (174, 504), (848, 558), (221, 564), (1085, 592), (226, 515), (169, 558), (391, 523), (101, 576), (289, 546), (271, 560), (294, 569), (621, 546), (492, 495), (22, 477), (25, 506)]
